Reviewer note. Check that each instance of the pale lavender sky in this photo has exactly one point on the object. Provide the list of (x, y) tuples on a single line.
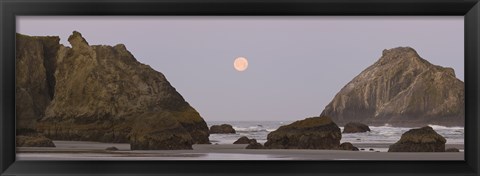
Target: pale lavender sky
[(296, 64)]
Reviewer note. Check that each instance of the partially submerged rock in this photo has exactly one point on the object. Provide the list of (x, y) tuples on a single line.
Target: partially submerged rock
[(423, 139), (242, 140), (310, 133), (355, 127), (222, 129), (113, 148), (348, 146), (253, 144)]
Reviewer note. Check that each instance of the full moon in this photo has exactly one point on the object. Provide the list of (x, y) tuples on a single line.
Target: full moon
[(240, 64)]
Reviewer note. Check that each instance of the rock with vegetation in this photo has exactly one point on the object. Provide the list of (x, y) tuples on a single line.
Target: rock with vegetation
[(423, 139), (222, 129), (310, 133), (101, 93), (401, 89), (355, 127)]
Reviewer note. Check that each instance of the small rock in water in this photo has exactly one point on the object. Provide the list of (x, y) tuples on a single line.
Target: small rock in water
[(222, 129), (242, 140), (254, 145), (362, 149), (355, 127), (358, 139), (371, 149), (377, 151), (112, 148), (348, 146)]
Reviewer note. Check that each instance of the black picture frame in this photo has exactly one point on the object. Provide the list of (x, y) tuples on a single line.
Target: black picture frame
[(9, 9)]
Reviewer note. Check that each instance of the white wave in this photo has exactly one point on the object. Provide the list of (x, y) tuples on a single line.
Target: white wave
[(251, 129), (444, 127)]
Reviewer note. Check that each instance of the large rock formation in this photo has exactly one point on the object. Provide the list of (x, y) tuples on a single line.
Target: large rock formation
[(102, 93), (423, 139), (310, 133), (401, 89)]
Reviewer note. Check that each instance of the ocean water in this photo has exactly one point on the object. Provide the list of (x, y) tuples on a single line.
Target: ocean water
[(378, 134)]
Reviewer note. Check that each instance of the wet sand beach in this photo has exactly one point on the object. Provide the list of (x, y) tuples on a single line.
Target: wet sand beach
[(81, 150)]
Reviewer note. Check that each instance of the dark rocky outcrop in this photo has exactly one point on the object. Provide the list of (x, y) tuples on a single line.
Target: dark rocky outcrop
[(423, 139), (253, 144), (36, 140), (222, 129), (100, 93), (111, 148), (452, 150), (242, 140), (401, 89), (310, 133), (355, 127), (348, 146)]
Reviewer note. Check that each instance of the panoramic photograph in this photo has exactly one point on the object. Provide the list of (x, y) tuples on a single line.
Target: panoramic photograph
[(239, 88)]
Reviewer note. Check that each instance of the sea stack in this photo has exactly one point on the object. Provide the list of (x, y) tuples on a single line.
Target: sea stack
[(101, 93), (401, 89)]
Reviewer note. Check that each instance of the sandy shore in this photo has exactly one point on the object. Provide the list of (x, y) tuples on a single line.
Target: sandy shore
[(80, 150)]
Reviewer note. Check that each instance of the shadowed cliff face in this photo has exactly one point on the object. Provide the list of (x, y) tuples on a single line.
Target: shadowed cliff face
[(401, 89), (34, 77), (102, 93)]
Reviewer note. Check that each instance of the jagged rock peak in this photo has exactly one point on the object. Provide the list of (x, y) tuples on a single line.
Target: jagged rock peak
[(77, 40), (402, 55), (399, 50)]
